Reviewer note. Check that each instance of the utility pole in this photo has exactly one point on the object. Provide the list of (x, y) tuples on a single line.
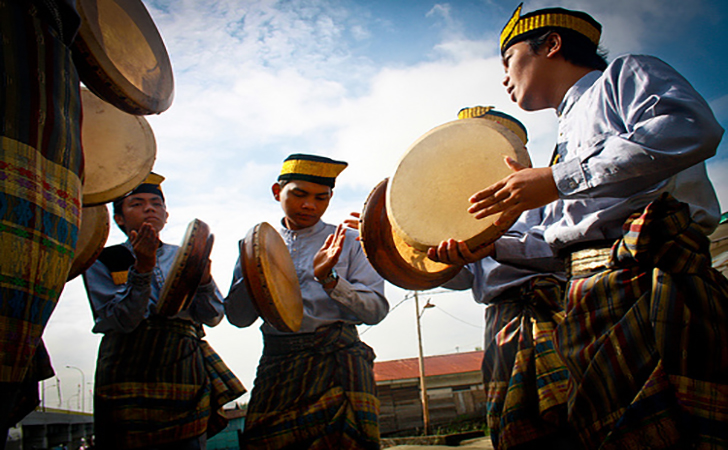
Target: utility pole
[(423, 383)]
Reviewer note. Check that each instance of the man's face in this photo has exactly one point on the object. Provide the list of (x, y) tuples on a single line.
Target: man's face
[(303, 202), (137, 209), (527, 80)]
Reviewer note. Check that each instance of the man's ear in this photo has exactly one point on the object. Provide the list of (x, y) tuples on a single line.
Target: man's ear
[(553, 44), (276, 189), (119, 219)]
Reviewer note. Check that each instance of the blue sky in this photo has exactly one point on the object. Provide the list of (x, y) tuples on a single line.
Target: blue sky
[(358, 81)]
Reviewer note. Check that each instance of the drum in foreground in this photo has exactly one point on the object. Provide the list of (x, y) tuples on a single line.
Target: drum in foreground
[(428, 195), (188, 266), (118, 148), (121, 57), (271, 278), (395, 260), (92, 237)]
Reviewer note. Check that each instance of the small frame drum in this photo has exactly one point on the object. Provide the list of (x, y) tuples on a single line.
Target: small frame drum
[(92, 237), (121, 57), (395, 260), (271, 278), (187, 269), (118, 148), (428, 195)]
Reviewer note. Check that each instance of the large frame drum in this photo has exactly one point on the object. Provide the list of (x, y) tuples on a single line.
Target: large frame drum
[(121, 57), (427, 198), (188, 266), (271, 278), (119, 150)]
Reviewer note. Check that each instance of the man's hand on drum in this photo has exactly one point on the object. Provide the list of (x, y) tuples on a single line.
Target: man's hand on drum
[(524, 189), (457, 253), (328, 255), (145, 242)]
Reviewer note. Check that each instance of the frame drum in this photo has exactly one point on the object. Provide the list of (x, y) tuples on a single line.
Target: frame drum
[(395, 260), (428, 195), (188, 266), (121, 57), (118, 148), (271, 278), (92, 237)]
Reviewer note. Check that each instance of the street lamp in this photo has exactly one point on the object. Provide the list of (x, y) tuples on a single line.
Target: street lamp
[(423, 383), (83, 387)]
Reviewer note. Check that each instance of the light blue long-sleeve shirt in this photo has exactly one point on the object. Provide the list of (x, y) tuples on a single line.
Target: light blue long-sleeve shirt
[(626, 136), (122, 307), (358, 296)]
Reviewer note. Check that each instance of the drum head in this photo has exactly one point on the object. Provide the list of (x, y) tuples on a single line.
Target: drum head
[(427, 197), (118, 148), (395, 260), (188, 266), (91, 238), (271, 278), (121, 57)]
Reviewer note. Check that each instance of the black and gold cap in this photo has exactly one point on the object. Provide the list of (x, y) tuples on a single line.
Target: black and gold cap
[(487, 112), (520, 27), (150, 185), (313, 168)]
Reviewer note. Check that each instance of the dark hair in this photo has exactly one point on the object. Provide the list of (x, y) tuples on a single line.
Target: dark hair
[(575, 48), (283, 183)]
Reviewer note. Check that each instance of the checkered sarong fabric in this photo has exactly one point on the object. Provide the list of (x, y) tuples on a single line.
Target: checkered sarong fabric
[(159, 384), (320, 394), (645, 339), (525, 379), (41, 162)]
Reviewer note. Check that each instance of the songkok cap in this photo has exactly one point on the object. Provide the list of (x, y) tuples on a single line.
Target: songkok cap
[(313, 168), (150, 185), (520, 27), (487, 112)]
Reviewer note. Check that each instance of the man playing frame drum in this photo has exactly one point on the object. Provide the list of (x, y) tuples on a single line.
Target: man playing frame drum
[(158, 383), (315, 388), (645, 329), (525, 380)]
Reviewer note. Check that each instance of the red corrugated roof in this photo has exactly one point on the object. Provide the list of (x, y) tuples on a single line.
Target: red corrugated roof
[(402, 369)]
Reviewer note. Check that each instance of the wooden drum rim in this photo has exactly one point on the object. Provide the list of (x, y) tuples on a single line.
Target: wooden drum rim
[(92, 236), (378, 242), (187, 269)]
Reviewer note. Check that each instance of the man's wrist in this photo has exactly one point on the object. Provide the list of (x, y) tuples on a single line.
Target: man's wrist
[(330, 280)]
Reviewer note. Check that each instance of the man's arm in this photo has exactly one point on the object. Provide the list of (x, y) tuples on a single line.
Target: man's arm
[(360, 289)]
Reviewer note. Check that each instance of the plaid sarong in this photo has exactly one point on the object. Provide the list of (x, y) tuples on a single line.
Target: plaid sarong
[(646, 340), (525, 380), (314, 391), (40, 187), (159, 384)]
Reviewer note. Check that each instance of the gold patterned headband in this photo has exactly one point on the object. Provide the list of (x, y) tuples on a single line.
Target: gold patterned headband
[(577, 21)]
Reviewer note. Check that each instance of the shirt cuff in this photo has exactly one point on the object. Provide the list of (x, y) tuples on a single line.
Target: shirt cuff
[(569, 177), (137, 279)]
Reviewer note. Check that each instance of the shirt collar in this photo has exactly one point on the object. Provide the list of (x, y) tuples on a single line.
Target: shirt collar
[(320, 225), (576, 91)]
